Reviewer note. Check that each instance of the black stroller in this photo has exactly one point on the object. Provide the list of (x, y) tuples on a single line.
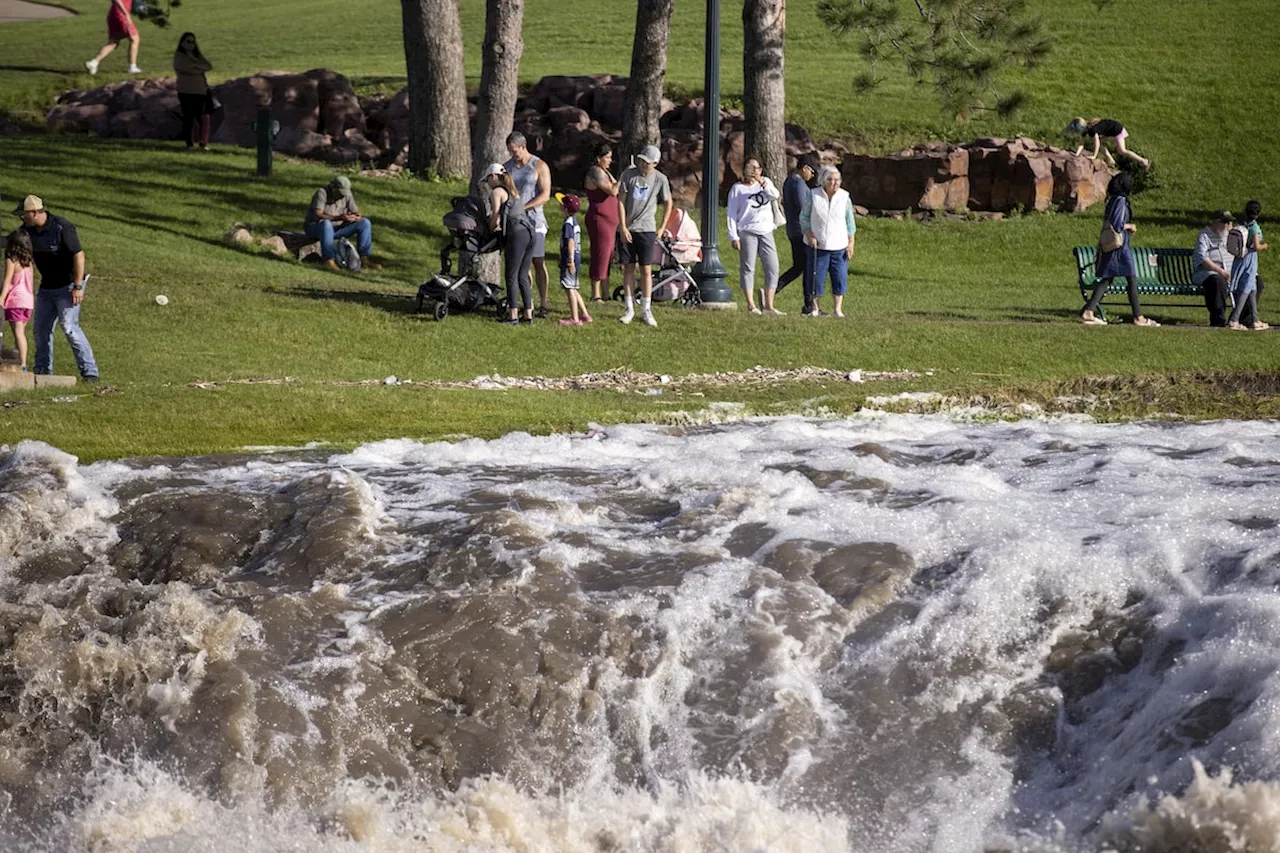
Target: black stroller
[(470, 238)]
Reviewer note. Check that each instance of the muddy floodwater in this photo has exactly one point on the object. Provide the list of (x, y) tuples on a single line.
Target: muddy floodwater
[(894, 633)]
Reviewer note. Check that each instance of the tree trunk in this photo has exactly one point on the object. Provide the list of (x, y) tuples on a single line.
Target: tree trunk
[(764, 23), (439, 134), (642, 106), (496, 106)]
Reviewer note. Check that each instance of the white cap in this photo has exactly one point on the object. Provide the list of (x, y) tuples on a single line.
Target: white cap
[(494, 169), (650, 154)]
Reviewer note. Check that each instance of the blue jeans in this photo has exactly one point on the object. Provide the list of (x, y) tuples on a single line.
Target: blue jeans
[(324, 231), (54, 306), (838, 265)]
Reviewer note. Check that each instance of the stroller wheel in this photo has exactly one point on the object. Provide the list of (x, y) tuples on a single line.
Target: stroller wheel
[(502, 306), (617, 293), (440, 311)]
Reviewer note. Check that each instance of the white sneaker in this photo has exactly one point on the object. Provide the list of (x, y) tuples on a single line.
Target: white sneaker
[(628, 315), (92, 65), (133, 69), (647, 316)]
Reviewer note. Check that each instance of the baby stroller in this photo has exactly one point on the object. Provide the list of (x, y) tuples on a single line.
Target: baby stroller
[(470, 238), (673, 282)]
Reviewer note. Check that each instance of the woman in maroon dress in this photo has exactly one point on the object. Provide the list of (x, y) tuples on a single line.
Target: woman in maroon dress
[(601, 218), (119, 27)]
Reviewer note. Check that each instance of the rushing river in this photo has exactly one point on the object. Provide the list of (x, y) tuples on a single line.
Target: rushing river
[(893, 633)]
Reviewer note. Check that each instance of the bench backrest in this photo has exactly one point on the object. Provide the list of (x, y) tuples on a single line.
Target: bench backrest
[(1165, 266)]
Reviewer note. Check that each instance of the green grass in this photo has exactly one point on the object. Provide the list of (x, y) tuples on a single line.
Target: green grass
[(985, 305)]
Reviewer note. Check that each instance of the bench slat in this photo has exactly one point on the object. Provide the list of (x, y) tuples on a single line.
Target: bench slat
[(1162, 271)]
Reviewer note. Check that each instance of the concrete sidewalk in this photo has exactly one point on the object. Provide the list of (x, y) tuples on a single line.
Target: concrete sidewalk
[(14, 11)]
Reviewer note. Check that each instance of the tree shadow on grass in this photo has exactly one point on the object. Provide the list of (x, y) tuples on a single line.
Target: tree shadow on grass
[(39, 69), (392, 303)]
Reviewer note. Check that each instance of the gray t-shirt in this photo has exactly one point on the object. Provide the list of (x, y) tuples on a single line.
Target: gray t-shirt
[(341, 203), (640, 196)]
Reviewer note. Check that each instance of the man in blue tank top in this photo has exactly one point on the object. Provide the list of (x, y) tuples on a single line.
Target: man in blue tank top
[(533, 180)]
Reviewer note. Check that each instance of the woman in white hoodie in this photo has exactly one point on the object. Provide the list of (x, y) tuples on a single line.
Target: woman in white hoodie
[(751, 224), (827, 220)]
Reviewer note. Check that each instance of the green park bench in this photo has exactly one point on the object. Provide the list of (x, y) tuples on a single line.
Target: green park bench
[(1161, 272)]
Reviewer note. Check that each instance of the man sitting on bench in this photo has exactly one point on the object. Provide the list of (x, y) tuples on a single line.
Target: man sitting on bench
[(333, 214), (1212, 270)]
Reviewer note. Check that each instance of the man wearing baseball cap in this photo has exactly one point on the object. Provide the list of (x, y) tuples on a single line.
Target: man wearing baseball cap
[(333, 214), (1211, 268), (60, 260), (640, 191)]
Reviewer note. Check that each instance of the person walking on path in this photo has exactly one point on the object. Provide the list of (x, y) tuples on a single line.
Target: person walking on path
[(643, 189), (333, 214), (16, 296), (190, 65), (794, 192), (829, 229), (55, 248), (1099, 129), (120, 26), (533, 179), (750, 217), (507, 214), (1117, 262), (601, 218), (1244, 272)]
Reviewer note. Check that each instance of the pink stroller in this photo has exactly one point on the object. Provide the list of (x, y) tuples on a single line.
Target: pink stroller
[(672, 281)]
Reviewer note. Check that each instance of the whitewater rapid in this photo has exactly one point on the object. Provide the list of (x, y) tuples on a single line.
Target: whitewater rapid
[(892, 632)]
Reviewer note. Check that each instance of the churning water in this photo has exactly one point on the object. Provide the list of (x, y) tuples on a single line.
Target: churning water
[(893, 633)]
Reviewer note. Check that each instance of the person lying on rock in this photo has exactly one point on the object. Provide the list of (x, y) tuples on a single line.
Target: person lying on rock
[(333, 214)]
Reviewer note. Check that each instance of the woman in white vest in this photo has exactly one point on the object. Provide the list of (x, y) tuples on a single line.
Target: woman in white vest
[(827, 220), (751, 224)]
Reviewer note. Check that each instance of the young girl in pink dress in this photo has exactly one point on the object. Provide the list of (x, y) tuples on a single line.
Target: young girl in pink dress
[(16, 294)]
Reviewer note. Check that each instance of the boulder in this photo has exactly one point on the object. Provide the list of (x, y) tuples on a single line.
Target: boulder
[(928, 177), (275, 245), (561, 118), (565, 91), (238, 236), (81, 118)]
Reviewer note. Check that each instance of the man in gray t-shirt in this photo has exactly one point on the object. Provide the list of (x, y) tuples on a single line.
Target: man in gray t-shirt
[(642, 188), (332, 215)]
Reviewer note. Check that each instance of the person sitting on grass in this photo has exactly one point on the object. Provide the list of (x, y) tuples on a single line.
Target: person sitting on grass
[(1104, 128), (1117, 262), (333, 214), (571, 260), (1244, 272)]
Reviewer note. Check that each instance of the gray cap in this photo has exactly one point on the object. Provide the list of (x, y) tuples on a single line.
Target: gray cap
[(343, 183), (650, 154)]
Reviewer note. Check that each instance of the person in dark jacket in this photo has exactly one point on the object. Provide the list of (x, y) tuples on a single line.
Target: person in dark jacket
[(1118, 262), (190, 65), (795, 190)]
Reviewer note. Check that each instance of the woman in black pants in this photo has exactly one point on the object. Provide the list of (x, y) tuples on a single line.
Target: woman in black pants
[(507, 214), (1118, 262), (190, 66)]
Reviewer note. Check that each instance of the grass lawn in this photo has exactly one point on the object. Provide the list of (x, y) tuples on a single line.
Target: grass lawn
[(986, 306)]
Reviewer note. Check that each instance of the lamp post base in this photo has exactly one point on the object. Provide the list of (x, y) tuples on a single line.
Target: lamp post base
[(711, 275)]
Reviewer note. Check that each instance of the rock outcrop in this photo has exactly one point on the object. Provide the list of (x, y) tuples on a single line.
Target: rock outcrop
[(565, 117)]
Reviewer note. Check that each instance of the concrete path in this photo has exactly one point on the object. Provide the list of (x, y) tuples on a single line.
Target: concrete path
[(13, 11)]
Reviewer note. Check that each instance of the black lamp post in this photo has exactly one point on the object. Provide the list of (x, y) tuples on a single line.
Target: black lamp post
[(709, 272)]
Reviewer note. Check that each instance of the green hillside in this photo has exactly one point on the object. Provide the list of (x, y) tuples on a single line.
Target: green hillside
[(985, 305)]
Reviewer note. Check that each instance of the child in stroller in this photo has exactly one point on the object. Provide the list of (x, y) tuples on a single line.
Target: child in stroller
[(470, 237), (680, 248)]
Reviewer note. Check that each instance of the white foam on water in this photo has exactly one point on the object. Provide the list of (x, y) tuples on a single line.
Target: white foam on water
[(1020, 536)]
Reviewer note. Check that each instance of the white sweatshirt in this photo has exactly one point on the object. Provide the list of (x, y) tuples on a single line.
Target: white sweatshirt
[(750, 209)]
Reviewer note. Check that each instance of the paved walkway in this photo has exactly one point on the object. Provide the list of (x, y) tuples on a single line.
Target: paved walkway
[(12, 11)]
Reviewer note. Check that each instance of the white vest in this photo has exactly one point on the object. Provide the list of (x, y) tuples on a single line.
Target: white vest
[(827, 219)]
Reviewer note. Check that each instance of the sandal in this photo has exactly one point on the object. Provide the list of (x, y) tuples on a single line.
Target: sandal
[(1237, 327), (1146, 322), (541, 313), (1091, 319)]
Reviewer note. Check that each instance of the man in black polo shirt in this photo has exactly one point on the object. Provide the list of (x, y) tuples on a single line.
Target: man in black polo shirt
[(60, 260)]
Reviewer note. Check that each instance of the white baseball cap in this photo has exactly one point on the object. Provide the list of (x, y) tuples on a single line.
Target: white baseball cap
[(650, 154), (494, 169)]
